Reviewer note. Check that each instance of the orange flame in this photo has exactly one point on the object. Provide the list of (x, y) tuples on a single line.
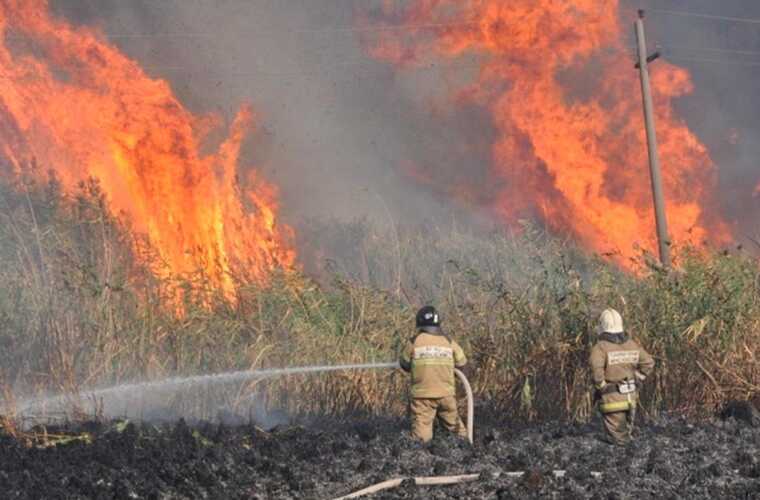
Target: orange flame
[(83, 109), (565, 100)]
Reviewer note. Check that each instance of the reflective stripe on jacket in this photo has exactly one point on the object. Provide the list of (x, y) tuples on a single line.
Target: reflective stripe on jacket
[(431, 358), (616, 358)]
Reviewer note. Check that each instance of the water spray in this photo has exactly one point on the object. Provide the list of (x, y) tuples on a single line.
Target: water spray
[(228, 377), (180, 382)]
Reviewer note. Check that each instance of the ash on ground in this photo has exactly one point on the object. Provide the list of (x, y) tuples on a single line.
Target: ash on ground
[(669, 459)]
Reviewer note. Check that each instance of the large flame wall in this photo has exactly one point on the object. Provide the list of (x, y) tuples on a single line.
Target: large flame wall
[(80, 107), (564, 97)]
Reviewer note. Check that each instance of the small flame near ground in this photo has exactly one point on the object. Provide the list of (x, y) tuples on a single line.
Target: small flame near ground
[(81, 108), (559, 83)]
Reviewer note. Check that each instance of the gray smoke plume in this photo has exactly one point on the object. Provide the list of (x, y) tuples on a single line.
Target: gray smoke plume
[(340, 131), (723, 57), (337, 128)]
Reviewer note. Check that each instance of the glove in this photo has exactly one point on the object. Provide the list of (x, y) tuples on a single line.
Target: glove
[(598, 391)]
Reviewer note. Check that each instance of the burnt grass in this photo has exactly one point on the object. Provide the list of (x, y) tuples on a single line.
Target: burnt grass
[(670, 458)]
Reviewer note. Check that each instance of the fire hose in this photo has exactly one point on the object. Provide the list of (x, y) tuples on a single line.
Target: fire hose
[(419, 481), (275, 372), (432, 480), (461, 376), (444, 480), (470, 403)]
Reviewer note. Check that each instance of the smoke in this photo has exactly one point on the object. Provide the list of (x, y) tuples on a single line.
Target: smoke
[(346, 136), (723, 57), (337, 129)]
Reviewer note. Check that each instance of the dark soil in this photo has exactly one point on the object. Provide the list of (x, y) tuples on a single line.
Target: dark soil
[(669, 459)]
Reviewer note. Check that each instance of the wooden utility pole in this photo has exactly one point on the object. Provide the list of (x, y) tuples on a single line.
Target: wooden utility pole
[(654, 161)]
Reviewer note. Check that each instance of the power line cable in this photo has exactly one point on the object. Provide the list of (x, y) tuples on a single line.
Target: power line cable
[(713, 61), (335, 29), (668, 47), (705, 16), (366, 64), (360, 63)]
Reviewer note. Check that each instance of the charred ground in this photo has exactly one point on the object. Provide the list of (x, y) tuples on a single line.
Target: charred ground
[(522, 307), (671, 458)]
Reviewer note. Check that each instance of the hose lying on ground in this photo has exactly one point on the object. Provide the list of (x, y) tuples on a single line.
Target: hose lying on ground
[(440, 480), (433, 480), (419, 481)]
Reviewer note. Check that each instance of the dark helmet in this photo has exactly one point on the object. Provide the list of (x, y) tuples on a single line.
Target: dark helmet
[(428, 320)]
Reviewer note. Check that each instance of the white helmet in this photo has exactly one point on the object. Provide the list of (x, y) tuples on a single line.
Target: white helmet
[(610, 322)]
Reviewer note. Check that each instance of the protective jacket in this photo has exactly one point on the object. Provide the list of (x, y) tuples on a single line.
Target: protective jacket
[(614, 359), (431, 358)]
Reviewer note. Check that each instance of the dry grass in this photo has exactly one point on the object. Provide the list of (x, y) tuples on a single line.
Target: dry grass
[(81, 309)]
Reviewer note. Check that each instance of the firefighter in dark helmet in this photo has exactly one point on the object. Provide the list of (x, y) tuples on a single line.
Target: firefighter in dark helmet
[(619, 365), (430, 356)]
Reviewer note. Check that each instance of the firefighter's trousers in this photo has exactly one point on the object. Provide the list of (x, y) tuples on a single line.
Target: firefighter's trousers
[(424, 412), (618, 413)]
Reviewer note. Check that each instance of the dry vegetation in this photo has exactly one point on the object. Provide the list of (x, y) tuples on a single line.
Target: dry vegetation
[(79, 309)]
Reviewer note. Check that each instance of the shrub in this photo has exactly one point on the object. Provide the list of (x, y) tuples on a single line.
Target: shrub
[(81, 307)]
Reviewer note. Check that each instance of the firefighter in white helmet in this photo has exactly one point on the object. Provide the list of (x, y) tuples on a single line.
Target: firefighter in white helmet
[(618, 366)]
